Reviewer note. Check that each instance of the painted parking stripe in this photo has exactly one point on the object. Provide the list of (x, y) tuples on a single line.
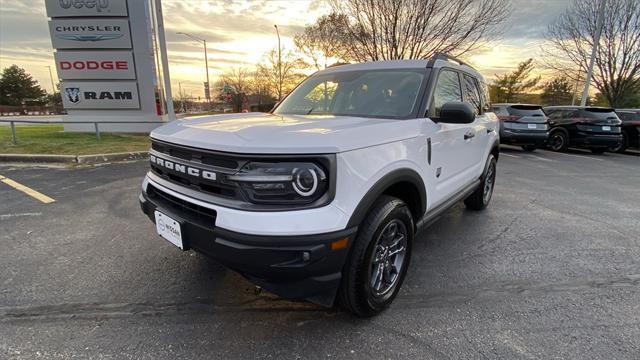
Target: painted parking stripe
[(575, 155), (539, 158), (513, 156), (27, 190)]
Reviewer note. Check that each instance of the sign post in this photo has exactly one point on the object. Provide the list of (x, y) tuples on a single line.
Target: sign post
[(106, 57)]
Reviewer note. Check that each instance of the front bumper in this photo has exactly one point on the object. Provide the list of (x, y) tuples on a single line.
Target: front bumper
[(523, 137), (293, 267)]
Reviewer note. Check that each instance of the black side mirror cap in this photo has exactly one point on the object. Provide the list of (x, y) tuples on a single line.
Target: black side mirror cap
[(456, 112)]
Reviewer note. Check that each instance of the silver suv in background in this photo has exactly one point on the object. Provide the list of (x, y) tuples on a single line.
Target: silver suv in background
[(524, 125)]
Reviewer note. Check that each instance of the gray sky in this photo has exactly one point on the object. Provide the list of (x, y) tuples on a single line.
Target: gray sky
[(240, 32)]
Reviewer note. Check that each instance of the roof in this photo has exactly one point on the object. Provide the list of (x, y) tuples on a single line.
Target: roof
[(436, 62), (577, 107), (629, 110), (511, 104)]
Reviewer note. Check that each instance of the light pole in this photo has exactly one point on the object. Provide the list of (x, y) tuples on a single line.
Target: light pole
[(596, 41), (279, 65), (206, 62), (53, 84)]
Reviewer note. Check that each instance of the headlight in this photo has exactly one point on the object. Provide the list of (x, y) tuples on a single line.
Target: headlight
[(281, 182)]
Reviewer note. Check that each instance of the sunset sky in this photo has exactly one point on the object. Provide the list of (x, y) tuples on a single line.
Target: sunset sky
[(240, 32)]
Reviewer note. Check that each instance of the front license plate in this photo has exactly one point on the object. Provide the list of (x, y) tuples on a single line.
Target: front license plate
[(532, 126), (169, 229), (606, 128)]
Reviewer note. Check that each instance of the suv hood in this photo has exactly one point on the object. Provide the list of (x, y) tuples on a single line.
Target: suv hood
[(260, 133)]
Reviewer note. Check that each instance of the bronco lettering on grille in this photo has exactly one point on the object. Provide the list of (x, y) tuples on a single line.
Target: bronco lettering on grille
[(181, 168)]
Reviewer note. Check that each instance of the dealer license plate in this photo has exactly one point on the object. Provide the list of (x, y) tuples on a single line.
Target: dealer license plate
[(169, 229), (532, 126), (606, 128)]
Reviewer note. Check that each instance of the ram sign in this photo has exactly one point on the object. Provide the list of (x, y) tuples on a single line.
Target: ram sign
[(95, 65), (70, 8), (99, 95), (90, 34)]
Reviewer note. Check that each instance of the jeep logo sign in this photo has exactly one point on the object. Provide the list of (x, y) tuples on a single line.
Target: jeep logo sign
[(90, 34), (100, 95), (71, 8), (90, 65)]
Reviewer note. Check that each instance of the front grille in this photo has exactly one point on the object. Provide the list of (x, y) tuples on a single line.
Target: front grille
[(205, 157), (195, 183), (193, 212)]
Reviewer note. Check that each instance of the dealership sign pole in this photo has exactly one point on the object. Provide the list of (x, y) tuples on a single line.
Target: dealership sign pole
[(106, 52)]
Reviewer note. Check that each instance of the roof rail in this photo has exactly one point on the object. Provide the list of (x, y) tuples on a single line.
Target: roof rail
[(446, 57)]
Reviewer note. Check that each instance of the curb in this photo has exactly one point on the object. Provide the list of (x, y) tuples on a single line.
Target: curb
[(74, 159)]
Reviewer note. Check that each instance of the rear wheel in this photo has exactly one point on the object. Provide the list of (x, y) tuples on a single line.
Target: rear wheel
[(379, 258), (529, 148), (481, 197), (622, 148), (558, 141)]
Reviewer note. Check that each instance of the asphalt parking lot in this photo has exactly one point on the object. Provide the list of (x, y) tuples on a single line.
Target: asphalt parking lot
[(550, 270)]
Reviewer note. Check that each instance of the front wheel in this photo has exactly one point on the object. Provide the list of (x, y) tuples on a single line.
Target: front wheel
[(480, 198), (379, 258)]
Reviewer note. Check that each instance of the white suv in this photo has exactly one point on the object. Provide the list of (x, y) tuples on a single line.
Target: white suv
[(321, 198)]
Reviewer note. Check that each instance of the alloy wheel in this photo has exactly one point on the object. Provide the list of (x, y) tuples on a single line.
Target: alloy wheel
[(388, 258)]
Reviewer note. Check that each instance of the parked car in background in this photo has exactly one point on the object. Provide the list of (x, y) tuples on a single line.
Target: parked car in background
[(522, 124), (593, 128), (630, 129)]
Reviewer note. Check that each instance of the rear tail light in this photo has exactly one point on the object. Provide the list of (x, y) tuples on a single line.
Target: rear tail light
[(509, 118)]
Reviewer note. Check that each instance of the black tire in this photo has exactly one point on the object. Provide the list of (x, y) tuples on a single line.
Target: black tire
[(357, 293), (529, 148), (598, 150), (481, 197), (558, 141), (623, 145)]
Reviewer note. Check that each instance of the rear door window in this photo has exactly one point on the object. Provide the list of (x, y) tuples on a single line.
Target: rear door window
[(472, 94), (447, 89)]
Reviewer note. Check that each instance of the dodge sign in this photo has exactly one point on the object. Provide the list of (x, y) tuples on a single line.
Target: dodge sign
[(69, 8), (100, 95), (90, 34), (76, 65)]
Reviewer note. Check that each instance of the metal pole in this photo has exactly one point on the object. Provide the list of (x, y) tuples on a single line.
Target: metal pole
[(594, 50), (95, 125), (13, 133), (575, 89), (279, 65), (206, 65), (162, 44), (53, 84)]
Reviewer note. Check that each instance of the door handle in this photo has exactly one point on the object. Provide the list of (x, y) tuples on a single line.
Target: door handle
[(469, 135)]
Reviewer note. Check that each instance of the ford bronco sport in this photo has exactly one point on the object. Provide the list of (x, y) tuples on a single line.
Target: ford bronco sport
[(321, 198)]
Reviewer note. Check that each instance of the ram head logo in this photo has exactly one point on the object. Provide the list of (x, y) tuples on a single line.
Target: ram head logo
[(73, 95)]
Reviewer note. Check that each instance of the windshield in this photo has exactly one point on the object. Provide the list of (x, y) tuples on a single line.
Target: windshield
[(367, 93)]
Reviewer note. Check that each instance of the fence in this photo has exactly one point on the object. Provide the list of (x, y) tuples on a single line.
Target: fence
[(95, 124)]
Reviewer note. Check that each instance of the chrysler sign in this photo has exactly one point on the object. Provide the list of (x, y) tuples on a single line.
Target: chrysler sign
[(100, 95), (90, 34), (76, 65), (70, 8)]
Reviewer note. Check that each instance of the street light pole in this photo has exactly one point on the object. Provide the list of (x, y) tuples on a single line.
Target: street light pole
[(279, 65), (206, 62), (53, 84), (596, 42)]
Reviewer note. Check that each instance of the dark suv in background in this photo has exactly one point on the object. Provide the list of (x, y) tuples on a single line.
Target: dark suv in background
[(630, 129), (522, 124), (594, 128)]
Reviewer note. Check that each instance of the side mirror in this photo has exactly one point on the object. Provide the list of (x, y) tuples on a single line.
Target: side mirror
[(456, 112)]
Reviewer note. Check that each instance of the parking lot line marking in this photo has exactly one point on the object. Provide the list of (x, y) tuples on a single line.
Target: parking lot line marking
[(540, 158), (8, 216), (575, 155), (27, 190), (514, 156)]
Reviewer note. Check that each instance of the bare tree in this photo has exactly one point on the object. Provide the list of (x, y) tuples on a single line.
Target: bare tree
[(238, 81), (324, 40), (617, 63), (415, 29), (281, 82)]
